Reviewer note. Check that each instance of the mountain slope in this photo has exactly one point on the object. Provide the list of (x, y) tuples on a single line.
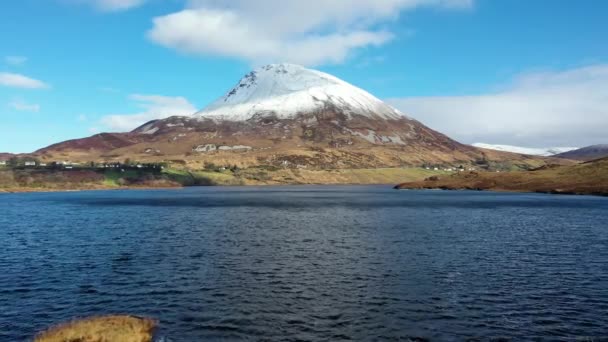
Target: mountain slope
[(102, 141), (586, 153)]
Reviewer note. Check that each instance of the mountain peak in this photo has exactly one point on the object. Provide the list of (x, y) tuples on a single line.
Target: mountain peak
[(281, 67), (286, 90)]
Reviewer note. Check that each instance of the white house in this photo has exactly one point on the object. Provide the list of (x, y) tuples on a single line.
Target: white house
[(30, 163), (2, 162)]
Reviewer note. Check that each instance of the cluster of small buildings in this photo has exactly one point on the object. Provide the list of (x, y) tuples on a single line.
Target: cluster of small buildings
[(67, 165), (213, 148), (25, 163), (34, 163), (450, 169), (123, 166)]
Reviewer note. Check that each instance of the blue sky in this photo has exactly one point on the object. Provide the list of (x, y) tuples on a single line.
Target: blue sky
[(530, 73)]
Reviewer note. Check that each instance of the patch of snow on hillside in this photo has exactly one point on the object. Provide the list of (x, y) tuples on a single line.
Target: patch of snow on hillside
[(149, 130), (546, 152)]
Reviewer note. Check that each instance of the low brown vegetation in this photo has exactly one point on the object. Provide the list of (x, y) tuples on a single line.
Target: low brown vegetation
[(101, 329), (586, 178)]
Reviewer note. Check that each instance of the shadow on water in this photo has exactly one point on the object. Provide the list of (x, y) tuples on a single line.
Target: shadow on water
[(355, 200)]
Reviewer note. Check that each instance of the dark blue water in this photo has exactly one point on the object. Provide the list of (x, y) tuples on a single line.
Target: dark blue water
[(309, 263)]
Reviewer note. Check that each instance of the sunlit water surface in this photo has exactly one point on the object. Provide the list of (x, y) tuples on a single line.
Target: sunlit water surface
[(308, 263)]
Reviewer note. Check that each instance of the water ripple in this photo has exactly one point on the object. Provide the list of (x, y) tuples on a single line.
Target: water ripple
[(309, 263)]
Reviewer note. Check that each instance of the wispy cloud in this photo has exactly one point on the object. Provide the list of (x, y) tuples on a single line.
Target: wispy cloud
[(15, 60), (23, 106), (311, 32), (554, 108), (8, 79), (154, 107), (114, 5)]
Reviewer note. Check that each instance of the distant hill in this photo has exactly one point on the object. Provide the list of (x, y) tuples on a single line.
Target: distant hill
[(590, 178), (586, 153), (6, 156)]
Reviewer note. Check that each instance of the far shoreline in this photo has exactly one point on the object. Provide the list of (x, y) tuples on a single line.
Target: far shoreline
[(50, 190), (39, 181), (403, 187), (541, 192), (57, 190)]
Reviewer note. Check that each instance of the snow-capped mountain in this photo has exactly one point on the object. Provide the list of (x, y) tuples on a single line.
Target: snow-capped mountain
[(286, 90), (287, 116), (545, 152)]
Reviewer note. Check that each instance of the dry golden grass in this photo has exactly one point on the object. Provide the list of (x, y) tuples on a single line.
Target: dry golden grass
[(350, 176), (101, 329)]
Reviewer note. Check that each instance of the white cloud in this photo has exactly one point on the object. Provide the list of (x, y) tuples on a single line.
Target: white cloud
[(23, 106), (15, 60), (114, 5), (20, 81), (155, 107), (310, 32), (566, 108)]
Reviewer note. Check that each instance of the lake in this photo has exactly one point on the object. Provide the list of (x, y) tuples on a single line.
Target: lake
[(308, 263)]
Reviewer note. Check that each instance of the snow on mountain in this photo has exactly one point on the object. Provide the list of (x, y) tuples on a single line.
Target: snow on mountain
[(286, 90), (549, 151)]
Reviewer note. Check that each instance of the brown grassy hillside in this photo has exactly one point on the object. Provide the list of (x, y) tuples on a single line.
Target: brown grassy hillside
[(318, 141), (586, 178)]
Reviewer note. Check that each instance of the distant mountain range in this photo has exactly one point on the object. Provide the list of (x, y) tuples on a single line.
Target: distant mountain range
[(586, 153), (548, 151)]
